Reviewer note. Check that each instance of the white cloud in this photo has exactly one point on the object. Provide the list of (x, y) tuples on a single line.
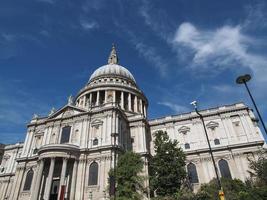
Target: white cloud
[(88, 25), (225, 47), (175, 107)]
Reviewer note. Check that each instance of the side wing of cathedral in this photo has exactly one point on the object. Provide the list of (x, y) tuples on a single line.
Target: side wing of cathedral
[(70, 152)]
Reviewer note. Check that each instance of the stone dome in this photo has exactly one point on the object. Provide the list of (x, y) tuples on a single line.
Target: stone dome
[(112, 70)]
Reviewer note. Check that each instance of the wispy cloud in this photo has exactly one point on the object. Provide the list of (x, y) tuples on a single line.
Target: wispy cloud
[(223, 88), (157, 19), (16, 106), (93, 5), (150, 54), (88, 24), (218, 49), (256, 16), (174, 107)]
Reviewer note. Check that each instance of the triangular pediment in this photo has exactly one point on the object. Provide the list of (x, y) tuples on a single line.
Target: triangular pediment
[(66, 111)]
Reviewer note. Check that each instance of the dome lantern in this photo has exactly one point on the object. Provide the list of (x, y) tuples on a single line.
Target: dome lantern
[(113, 58), (112, 69)]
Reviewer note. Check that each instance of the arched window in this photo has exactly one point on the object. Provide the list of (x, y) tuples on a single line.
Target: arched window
[(28, 180), (217, 141), (65, 135), (95, 141), (224, 169), (192, 173), (93, 174), (187, 146)]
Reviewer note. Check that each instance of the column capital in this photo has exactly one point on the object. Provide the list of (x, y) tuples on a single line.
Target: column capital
[(65, 158)]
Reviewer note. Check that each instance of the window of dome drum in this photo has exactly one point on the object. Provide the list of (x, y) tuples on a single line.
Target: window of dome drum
[(28, 180), (192, 173), (93, 174), (65, 135)]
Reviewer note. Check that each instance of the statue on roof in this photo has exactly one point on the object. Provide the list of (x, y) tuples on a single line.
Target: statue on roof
[(35, 116), (70, 100), (53, 110), (113, 58)]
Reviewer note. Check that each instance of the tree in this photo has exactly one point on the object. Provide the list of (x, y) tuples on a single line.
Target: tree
[(167, 167), (234, 190), (128, 179), (259, 170)]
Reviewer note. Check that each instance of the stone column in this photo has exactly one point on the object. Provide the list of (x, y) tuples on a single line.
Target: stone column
[(97, 98), (36, 190), (129, 101), (62, 175), (122, 99), (73, 180), (141, 106), (18, 181), (114, 96), (49, 179), (106, 96), (135, 103), (145, 110), (90, 100), (84, 101)]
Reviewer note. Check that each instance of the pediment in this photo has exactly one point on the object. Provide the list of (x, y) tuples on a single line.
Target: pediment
[(66, 111), (184, 129), (212, 124), (97, 122)]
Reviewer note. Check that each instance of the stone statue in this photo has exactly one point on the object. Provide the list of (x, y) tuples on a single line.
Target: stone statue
[(70, 100), (52, 111), (35, 116)]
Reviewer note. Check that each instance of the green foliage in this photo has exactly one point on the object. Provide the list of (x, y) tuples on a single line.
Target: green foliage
[(231, 188), (167, 167), (234, 190), (259, 172), (128, 178), (169, 157)]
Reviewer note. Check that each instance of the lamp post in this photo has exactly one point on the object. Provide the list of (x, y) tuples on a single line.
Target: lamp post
[(221, 194), (243, 80)]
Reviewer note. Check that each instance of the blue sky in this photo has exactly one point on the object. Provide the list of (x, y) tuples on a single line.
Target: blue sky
[(177, 50)]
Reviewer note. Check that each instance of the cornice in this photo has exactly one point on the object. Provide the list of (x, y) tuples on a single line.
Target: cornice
[(225, 148), (80, 116), (193, 116)]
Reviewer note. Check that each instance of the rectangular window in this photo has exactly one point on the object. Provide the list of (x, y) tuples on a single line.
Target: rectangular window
[(65, 135)]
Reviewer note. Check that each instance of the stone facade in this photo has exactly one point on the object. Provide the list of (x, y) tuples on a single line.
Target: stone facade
[(70, 151), (234, 137)]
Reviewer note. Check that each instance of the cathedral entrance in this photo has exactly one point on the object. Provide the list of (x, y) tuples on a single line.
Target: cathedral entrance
[(54, 189)]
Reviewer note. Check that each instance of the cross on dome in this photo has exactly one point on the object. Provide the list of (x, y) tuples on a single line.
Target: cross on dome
[(113, 58)]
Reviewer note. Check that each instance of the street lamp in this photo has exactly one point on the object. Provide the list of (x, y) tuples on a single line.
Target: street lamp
[(243, 80), (221, 194)]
